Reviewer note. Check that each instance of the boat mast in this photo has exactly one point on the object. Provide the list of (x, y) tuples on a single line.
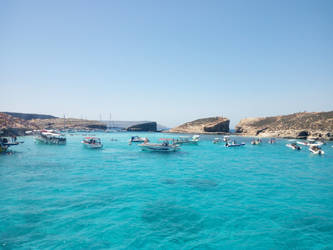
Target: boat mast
[(64, 122)]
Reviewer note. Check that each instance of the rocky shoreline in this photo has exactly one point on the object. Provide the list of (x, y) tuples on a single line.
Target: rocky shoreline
[(305, 125)]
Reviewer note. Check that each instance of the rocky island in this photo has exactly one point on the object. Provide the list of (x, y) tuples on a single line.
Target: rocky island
[(204, 126), (147, 126), (316, 125)]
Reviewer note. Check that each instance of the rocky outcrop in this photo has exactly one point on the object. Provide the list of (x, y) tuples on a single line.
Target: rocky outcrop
[(13, 126), (69, 123), (205, 125), (317, 125), (147, 126)]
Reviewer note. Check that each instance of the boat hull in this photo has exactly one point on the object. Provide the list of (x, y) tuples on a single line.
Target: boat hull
[(153, 148), (50, 141), (235, 145), (93, 146)]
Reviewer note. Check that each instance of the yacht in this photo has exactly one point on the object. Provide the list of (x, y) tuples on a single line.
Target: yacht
[(50, 137)]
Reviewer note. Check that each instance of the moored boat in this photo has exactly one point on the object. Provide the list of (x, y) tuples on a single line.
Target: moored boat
[(138, 139), (50, 137), (316, 150), (165, 146), (6, 142), (234, 144), (187, 140), (92, 142)]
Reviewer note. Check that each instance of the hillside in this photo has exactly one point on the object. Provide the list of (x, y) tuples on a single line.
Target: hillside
[(299, 125), (205, 125), (69, 123), (10, 125), (26, 116)]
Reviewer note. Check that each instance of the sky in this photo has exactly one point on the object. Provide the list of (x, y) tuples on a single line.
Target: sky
[(166, 61)]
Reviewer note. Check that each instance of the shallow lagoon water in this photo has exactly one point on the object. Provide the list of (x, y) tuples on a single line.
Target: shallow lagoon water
[(202, 197)]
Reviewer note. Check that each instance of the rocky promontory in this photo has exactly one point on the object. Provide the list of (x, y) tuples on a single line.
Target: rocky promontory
[(299, 125), (205, 125), (69, 123), (147, 126)]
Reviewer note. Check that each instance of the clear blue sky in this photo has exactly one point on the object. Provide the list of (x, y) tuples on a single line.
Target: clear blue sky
[(169, 61)]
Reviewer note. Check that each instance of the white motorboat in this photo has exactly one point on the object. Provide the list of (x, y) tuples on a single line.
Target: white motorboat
[(92, 142), (138, 139), (187, 140), (50, 137), (316, 150), (165, 146), (226, 138), (234, 144), (293, 146)]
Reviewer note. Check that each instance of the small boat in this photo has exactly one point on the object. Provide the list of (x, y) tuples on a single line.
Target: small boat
[(5, 143), (271, 141), (92, 142), (293, 146), (226, 138), (256, 142), (187, 140), (50, 137), (138, 139), (316, 150), (234, 144), (165, 146)]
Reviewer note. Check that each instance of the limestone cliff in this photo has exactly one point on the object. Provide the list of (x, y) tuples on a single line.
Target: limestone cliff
[(147, 126), (299, 125), (69, 123), (205, 125)]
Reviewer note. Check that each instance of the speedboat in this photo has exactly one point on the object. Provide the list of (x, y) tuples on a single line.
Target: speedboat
[(187, 140), (234, 144), (50, 137), (256, 142), (316, 150), (138, 139), (92, 142), (293, 146), (165, 146)]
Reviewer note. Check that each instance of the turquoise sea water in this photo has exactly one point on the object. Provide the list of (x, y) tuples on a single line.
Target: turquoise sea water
[(202, 197)]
